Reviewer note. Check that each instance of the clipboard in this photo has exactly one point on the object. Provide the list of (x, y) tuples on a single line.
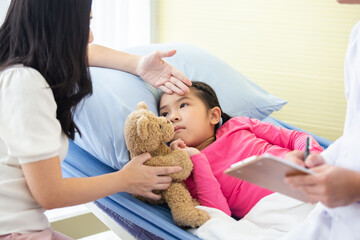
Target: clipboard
[(269, 172)]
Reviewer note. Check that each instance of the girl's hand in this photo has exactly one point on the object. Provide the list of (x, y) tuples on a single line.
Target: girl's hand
[(141, 180), (162, 75), (331, 185), (179, 144), (191, 151)]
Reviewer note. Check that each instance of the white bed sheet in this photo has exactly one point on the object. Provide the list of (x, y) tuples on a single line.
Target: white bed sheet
[(270, 218)]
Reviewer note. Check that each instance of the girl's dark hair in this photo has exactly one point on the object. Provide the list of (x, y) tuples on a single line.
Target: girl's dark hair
[(51, 36), (208, 96)]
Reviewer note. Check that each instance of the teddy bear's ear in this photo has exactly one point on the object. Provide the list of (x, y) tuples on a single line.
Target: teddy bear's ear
[(142, 127), (141, 105)]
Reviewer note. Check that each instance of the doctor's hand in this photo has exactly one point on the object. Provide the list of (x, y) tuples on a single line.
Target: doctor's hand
[(311, 161), (331, 185), (162, 75), (141, 180)]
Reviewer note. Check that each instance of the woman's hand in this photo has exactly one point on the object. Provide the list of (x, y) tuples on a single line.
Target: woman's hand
[(141, 180), (331, 185), (150, 68), (179, 144), (162, 75)]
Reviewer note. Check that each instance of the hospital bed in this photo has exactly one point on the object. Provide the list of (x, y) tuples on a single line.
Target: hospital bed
[(102, 150), (122, 211)]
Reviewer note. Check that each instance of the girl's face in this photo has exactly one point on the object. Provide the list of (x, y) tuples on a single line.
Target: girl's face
[(193, 122)]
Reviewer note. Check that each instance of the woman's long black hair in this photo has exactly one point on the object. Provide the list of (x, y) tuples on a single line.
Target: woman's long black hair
[(51, 36)]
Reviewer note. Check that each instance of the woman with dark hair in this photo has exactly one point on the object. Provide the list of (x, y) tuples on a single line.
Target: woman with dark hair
[(43, 76)]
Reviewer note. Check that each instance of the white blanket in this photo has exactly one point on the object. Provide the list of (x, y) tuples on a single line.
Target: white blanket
[(270, 218)]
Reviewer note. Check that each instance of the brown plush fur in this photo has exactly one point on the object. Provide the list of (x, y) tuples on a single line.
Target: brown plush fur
[(145, 132)]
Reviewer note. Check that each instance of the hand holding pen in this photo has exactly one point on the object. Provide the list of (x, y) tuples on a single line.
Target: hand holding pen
[(315, 159), (312, 158)]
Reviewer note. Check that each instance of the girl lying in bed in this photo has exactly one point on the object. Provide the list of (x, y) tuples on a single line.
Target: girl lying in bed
[(214, 141)]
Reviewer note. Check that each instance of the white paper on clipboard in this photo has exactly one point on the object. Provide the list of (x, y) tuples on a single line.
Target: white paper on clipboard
[(269, 172)]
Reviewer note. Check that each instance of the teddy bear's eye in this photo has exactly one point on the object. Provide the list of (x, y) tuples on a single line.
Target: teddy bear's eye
[(159, 126)]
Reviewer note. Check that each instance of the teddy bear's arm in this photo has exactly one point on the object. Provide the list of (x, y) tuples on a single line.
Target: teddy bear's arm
[(175, 158)]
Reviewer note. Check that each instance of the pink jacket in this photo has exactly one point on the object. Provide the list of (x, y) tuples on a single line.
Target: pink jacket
[(237, 139)]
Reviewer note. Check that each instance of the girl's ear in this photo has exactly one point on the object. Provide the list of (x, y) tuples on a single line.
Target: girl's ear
[(215, 115)]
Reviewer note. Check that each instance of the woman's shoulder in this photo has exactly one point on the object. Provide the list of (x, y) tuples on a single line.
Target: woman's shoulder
[(20, 76)]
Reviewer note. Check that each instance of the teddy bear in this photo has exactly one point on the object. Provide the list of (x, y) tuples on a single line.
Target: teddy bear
[(146, 132)]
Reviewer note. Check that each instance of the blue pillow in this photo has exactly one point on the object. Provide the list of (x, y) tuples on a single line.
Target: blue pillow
[(101, 117)]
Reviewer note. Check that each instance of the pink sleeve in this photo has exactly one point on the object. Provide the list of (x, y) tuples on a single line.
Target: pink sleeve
[(290, 139), (208, 189)]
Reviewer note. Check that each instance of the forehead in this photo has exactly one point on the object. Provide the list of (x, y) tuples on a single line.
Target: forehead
[(173, 98)]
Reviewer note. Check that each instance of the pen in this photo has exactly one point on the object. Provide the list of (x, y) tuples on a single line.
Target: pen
[(307, 147)]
